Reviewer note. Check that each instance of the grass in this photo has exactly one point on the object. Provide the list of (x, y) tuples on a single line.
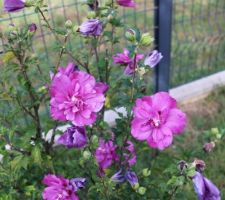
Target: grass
[(203, 116)]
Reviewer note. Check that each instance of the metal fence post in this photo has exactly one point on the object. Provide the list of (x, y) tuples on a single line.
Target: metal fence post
[(163, 27)]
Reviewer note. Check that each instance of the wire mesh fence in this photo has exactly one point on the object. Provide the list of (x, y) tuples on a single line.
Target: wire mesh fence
[(198, 33), (61, 10), (198, 39)]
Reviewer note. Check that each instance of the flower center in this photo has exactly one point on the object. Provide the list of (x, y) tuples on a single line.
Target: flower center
[(155, 123), (77, 103)]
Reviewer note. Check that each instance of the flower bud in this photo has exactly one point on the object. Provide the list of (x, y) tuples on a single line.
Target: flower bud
[(130, 35), (75, 29), (208, 147), (94, 140), (141, 71), (215, 132), (13, 34), (199, 165), (81, 162), (146, 172), (87, 155), (182, 165), (146, 39), (29, 3), (141, 190), (42, 89), (108, 2), (136, 186), (91, 15), (32, 28), (68, 24), (110, 17)]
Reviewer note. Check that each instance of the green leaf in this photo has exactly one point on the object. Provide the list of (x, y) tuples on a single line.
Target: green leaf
[(19, 162), (36, 155)]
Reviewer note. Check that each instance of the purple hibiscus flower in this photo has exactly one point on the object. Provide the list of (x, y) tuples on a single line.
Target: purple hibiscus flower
[(105, 154), (153, 58), (78, 183), (122, 176), (126, 3), (204, 188), (74, 137), (92, 27), (124, 60), (58, 188), (130, 155), (13, 5)]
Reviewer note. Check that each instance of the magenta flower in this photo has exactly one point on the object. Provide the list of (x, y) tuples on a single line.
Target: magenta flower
[(129, 70), (105, 154), (74, 136), (204, 188), (156, 119), (58, 188), (75, 96), (126, 3), (13, 5), (153, 58), (92, 27), (130, 155), (101, 87), (124, 60)]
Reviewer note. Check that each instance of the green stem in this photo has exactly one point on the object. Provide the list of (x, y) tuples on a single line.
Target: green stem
[(33, 97), (97, 59), (59, 41), (173, 193)]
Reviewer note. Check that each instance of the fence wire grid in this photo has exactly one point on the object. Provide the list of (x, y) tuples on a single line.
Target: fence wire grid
[(198, 32)]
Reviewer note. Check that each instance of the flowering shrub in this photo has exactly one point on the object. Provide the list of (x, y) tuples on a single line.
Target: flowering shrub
[(68, 151)]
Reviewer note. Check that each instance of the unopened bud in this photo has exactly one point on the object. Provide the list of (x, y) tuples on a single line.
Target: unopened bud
[(75, 29), (94, 140), (146, 172), (130, 35), (182, 165), (13, 34), (146, 39), (69, 24), (199, 165), (136, 186), (32, 28), (91, 15), (208, 147), (141, 190), (110, 17), (87, 155), (141, 71), (42, 89)]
